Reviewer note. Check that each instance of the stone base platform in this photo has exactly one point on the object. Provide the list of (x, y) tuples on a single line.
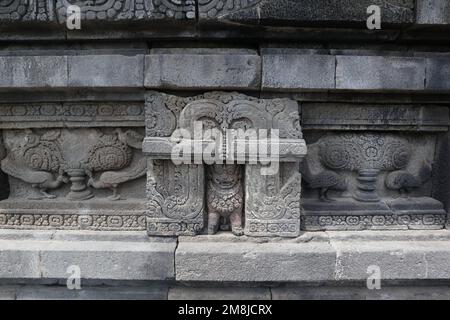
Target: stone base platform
[(413, 264)]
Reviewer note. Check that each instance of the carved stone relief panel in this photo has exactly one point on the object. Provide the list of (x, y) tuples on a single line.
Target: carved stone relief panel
[(90, 178), (26, 10), (175, 202), (129, 9), (236, 196), (376, 180)]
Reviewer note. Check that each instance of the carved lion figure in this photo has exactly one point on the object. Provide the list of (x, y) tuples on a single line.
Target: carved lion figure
[(225, 197)]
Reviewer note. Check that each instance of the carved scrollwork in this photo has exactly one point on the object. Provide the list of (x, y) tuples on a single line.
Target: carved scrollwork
[(40, 10), (175, 205)]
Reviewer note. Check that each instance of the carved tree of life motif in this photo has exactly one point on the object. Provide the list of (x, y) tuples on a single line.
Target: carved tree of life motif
[(367, 154)]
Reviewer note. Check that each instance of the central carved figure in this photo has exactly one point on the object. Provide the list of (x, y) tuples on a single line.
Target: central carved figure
[(225, 197)]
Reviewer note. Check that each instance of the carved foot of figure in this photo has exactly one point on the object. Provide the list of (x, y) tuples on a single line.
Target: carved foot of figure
[(213, 223), (236, 223), (237, 230), (324, 196), (116, 197), (41, 195), (48, 195)]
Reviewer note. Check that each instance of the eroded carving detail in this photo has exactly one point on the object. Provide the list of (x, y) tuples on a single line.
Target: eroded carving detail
[(218, 8), (384, 193), (128, 9)]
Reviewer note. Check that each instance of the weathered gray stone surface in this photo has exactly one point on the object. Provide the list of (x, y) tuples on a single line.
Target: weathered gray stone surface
[(332, 256), (203, 69), (438, 74), (105, 71), (433, 12), (114, 258), (224, 293), (249, 261), (379, 73), (33, 71), (358, 293), (59, 292), (295, 71)]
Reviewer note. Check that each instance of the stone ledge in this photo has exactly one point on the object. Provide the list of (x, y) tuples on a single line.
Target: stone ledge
[(317, 256), (203, 70), (274, 70), (115, 256)]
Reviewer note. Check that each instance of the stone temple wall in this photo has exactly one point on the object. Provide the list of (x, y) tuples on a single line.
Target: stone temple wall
[(87, 124)]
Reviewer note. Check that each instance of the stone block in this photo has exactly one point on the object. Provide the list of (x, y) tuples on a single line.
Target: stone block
[(106, 71), (217, 293), (302, 12), (8, 292), (33, 71), (397, 260), (198, 69), (291, 72), (438, 74), (223, 259), (433, 12), (109, 260), (380, 73)]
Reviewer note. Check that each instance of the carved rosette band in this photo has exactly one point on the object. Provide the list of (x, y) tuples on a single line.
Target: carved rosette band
[(236, 196)]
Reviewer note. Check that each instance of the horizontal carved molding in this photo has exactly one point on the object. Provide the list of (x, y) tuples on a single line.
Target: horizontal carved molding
[(72, 115)]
